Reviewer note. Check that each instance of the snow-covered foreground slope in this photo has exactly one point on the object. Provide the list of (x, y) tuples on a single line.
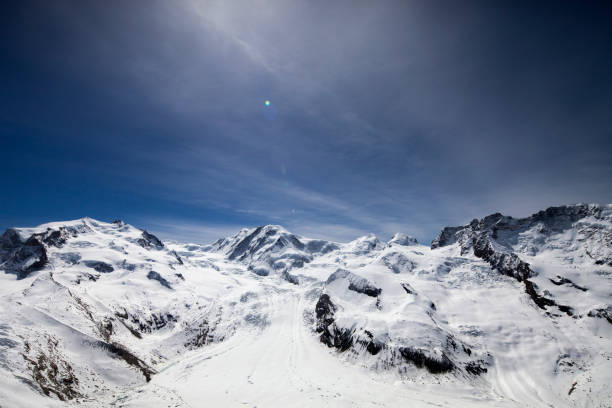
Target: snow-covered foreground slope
[(500, 312)]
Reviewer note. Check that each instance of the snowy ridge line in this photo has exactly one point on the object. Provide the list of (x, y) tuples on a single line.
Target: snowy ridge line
[(500, 312)]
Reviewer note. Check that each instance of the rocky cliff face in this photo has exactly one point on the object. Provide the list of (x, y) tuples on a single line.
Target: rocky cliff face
[(272, 249), (501, 241)]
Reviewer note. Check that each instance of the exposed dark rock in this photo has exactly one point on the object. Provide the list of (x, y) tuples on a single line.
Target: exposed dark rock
[(58, 237), (339, 338), (88, 276), (325, 309), (372, 346), (10, 239), (271, 248), (543, 302), (356, 283), (51, 371), (204, 333), (434, 365), (507, 263), (155, 321), (123, 315), (331, 335), (564, 281), (476, 367), (201, 338), (510, 264), (178, 258), (128, 266), (409, 290), (156, 276), (398, 262), (366, 289), (149, 241), (21, 258), (403, 239), (105, 328), (99, 266), (161, 320), (126, 355), (134, 332), (290, 278), (320, 246), (478, 236), (447, 236), (602, 313), (243, 245), (71, 258), (260, 270)]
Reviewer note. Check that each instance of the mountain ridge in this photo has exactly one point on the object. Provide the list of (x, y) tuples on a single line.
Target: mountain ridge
[(106, 303)]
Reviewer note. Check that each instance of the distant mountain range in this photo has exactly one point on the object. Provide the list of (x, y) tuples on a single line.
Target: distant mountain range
[(500, 312)]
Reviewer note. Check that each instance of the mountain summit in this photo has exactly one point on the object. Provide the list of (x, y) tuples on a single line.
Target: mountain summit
[(499, 312)]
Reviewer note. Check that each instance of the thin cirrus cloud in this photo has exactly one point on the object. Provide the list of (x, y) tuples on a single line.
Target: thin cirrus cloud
[(387, 116)]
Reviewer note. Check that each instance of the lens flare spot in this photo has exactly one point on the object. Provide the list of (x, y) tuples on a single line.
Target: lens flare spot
[(267, 103)]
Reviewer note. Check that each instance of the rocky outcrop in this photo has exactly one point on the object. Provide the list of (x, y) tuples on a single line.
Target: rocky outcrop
[(330, 335), (149, 241), (139, 323), (564, 281), (51, 371), (397, 262), (592, 235), (356, 283), (99, 266), (290, 278), (505, 262), (490, 237), (24, 256), (152, 275), (21, 257), (126, 355), (394, 354), (602, 313), (403, 240), (421, 360), (271, 249)]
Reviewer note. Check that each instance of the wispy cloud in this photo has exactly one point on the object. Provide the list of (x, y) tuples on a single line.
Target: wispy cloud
[(184, 231), (389, 116)]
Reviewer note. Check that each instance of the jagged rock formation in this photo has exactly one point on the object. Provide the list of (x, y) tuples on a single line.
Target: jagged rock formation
[(21, 257), (402, 239), (494, 239), (271, 248)]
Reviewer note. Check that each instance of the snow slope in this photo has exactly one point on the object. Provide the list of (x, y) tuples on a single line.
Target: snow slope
[(500, 312)]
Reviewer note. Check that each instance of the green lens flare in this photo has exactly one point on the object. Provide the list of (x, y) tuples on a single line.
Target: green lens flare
[(267, 103)]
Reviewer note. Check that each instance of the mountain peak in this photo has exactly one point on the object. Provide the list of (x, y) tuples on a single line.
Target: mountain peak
[(402, 239), (98, 302)]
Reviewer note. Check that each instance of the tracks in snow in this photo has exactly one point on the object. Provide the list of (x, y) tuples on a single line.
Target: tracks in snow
[(283, 364)]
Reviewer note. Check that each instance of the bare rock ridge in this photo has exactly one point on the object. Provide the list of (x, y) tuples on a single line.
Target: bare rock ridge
[(491, 239), (272, 248)]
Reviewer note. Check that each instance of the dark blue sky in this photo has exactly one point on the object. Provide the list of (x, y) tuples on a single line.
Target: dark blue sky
[(385, 116)]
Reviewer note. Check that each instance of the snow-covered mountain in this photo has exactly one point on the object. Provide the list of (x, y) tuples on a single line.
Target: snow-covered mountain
[(500, 312)]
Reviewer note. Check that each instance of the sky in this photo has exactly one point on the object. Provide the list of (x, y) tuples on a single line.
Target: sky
[(383, 116)]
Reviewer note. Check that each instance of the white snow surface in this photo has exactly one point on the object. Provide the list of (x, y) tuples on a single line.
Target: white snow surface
[(234, 323)]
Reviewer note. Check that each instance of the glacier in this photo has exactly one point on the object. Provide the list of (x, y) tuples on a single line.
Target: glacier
[(501, 312)]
